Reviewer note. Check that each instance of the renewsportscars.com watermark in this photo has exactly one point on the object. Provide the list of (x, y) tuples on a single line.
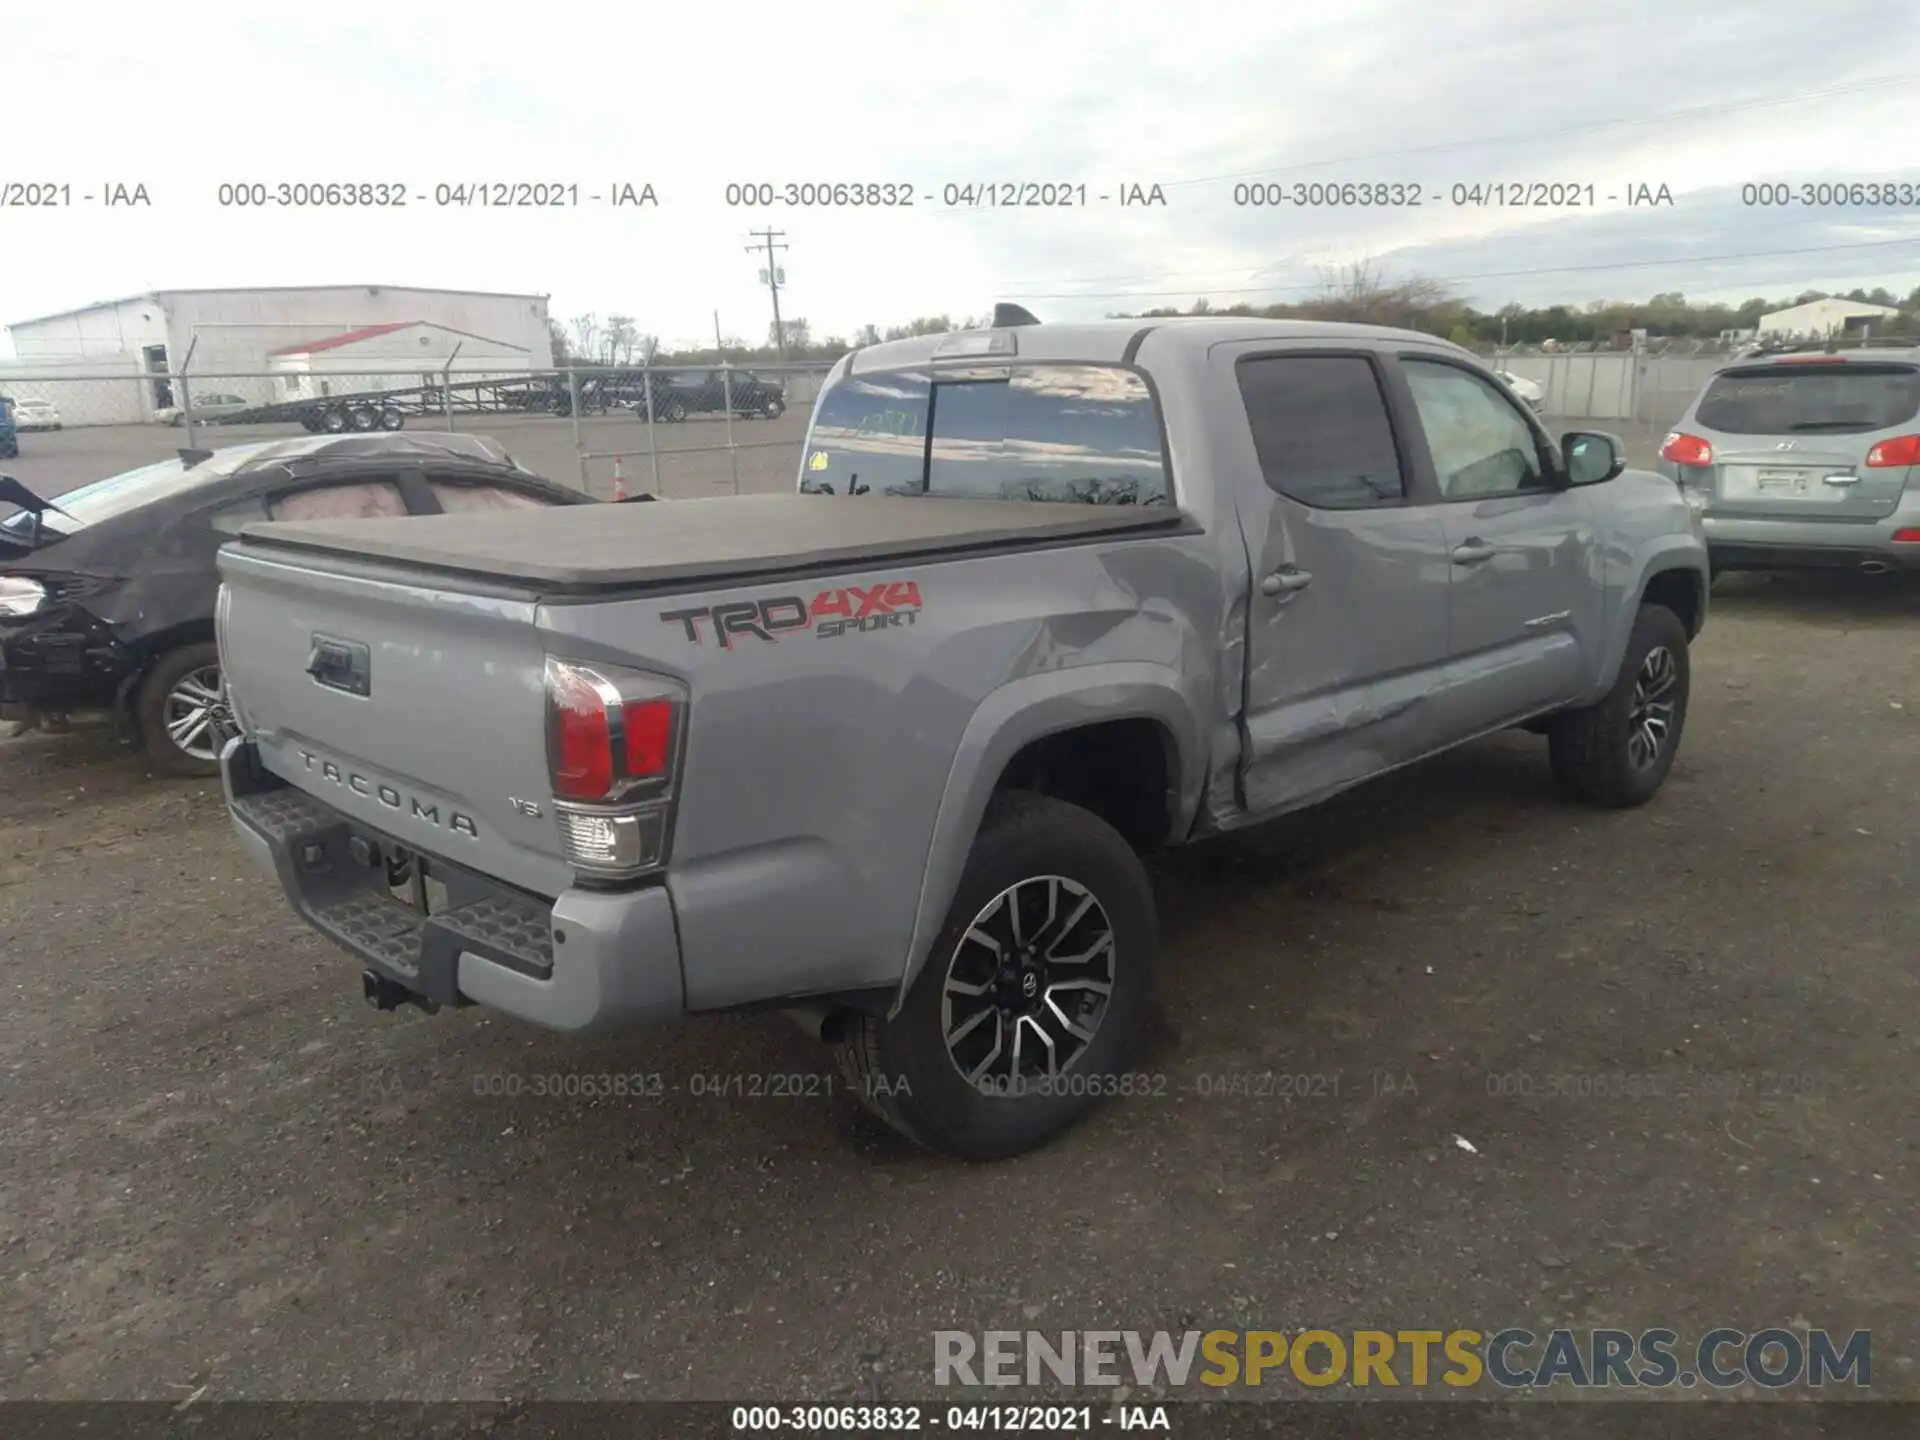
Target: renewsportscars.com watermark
[(1514, 1359)]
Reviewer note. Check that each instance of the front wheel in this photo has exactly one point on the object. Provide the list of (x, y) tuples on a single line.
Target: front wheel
[(1030, 1004), (1617, 753), (181, 711)]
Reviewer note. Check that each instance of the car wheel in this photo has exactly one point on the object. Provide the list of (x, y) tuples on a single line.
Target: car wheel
[(364, 418), (1617, 753), (774, 408), (181, 711), (1033, 996), (334, 420), (391, 418), (674, 413)]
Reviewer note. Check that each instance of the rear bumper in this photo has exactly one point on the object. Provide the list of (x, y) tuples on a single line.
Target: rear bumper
[(1749, 544), (590, 960)]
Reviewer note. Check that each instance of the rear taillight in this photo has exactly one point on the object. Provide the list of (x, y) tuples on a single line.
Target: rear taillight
[(1909, 536), (1902, 451), (613, 751), (1684, 449)]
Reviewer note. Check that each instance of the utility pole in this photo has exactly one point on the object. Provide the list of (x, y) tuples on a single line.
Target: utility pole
[(718, 344), (772, 275)]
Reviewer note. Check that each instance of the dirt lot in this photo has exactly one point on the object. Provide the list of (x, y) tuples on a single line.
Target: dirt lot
[(218, 1168), (768, 453)]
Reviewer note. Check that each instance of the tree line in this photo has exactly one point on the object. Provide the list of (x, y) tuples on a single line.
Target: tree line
[(1359, 294)]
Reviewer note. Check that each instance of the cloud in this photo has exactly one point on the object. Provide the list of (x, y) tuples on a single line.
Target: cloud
[(1699, 97)]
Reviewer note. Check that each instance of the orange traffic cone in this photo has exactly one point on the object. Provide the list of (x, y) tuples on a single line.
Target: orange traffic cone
[(619, 481)]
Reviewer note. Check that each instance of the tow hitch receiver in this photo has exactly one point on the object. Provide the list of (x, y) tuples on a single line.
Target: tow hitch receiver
[(385, 994)]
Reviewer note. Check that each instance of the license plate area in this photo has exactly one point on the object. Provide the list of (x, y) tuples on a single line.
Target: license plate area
[(411, 881), (1781, 482)]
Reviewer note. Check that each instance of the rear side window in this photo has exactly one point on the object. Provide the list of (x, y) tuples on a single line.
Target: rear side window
[(1842, 399), (1321, 431), (359, 501), (455, 498)]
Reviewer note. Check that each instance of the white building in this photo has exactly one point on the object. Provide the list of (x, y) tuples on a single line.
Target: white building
[(1822, 319), (390, 357), (219, 336)]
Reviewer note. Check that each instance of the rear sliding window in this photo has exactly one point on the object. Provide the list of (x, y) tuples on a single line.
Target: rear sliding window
[(1076, 434), (1839, 399)]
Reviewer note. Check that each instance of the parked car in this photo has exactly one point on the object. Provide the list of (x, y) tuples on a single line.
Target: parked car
[(678, 394), (36, 415), (9, 431), (210, 406), (1527, 390), (107, 592), (886, 753), (1806, 459)]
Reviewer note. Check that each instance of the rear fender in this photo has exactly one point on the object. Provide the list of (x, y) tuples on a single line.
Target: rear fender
[(1026, 710)]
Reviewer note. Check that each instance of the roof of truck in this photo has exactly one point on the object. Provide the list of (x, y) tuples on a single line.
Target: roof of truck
[(1114, 340)]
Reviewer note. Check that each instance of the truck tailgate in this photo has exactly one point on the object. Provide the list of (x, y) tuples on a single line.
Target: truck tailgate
[(450, 728)]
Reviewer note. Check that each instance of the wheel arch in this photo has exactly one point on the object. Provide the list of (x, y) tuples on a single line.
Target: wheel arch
[(1112, 708)]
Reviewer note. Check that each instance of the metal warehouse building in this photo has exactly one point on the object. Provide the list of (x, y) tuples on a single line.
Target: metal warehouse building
[(312, 340)]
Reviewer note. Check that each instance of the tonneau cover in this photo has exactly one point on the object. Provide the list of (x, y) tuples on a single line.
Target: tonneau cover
[(591, 547)]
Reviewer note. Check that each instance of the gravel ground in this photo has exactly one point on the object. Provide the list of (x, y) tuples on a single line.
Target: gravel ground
[(219, 1169)]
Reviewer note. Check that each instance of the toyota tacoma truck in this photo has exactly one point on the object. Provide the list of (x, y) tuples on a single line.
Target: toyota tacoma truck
[(886, 752)]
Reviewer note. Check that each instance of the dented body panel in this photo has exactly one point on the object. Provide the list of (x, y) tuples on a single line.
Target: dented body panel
[(862, 670)]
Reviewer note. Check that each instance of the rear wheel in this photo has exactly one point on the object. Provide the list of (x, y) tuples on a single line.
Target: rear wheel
[(334, 420), (674, 413), (181, 711), (1033, 997), (1617, 753), (391, 418), (773, 407), (364, 417)]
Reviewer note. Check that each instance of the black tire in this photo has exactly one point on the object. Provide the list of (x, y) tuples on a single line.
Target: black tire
[(1593, 751), (392, 419), (901, 1067), (774, 408), (150, 710), (335, 421), (674, 413)]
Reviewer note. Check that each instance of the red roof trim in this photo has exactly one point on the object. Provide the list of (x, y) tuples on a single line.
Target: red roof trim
[(307, 347)]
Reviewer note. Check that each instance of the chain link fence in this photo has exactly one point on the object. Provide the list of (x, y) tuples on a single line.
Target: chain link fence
[(676, 431)]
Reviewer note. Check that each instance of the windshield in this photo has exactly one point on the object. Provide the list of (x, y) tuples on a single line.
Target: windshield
[(1845, 399), (115, 495)]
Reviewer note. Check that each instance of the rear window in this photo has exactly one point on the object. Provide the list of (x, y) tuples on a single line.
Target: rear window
[(1806, 399), (1077, 434)]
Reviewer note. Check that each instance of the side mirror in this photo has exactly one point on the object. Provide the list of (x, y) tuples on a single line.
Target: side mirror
[(1592, 457)]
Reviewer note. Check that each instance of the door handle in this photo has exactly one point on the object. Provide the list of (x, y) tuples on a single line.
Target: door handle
[(1472, 552), (1286, 579)]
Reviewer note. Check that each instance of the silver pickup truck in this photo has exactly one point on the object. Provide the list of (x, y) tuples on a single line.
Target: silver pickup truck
[(885, 753)]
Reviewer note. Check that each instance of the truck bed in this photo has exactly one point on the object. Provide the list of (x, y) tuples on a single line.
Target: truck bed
[(586, 549)]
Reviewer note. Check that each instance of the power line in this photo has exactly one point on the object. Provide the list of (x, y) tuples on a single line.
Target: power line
[(1664, 117), (1485, 275), (773, 277)]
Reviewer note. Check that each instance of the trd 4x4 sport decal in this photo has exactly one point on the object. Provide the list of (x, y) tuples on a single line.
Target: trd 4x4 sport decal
[(854, 609)]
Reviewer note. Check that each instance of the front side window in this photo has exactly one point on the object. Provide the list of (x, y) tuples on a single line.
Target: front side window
[(1481, 446)]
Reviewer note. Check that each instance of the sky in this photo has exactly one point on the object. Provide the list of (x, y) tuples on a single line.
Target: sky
[(1702, 98)]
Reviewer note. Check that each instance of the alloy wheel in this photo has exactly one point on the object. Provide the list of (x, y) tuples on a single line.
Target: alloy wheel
[(1028, 983), (196, 715), (1650, 720)]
